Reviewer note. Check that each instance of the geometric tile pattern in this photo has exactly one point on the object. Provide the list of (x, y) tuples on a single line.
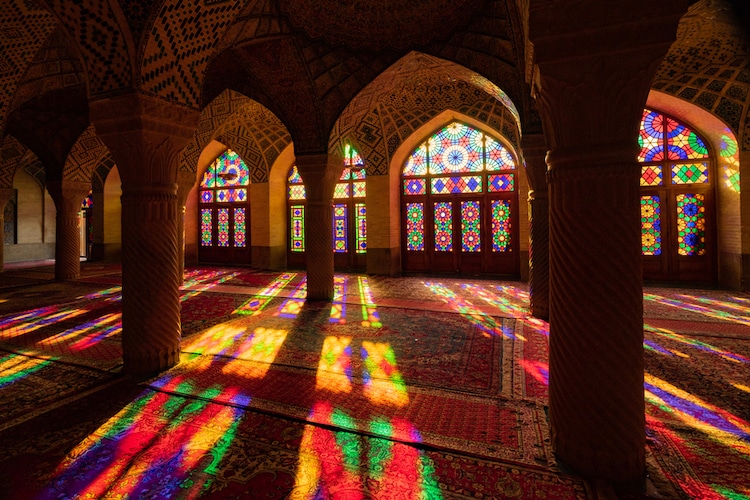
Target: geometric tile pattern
[(11, 152), (247, 127), (179, 46), (709, 64), (23, 29), (393, 106), (101, 171), (84, 156), (104, 44), (54, 67)]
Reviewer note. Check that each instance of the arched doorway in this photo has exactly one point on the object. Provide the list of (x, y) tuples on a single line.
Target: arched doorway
[(460, 205), (224, 211), (677, 201)]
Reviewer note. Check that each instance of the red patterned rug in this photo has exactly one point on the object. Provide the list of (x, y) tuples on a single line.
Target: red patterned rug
[(156, 445)]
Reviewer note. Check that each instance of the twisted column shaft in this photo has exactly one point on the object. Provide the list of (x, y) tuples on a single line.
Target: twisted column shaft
[(596, 319), (150, 278), (68, 197), (145, 136)]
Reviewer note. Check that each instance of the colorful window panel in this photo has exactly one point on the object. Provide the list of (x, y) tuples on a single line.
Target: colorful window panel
[(339, 229), (497, 156), (651, 137), (470, 226), (239, 228), (456, 149), (341, 191), (415, 227), (651, 225), (297, 221), (417, 162), (651, 175), (691, 224), (231, 170), (209, 177), (294, 177), (500, 182), (206, 229), (359, 189), (457, 185), (352, 157), (690, 173), (683, 143), (297, 192), (361, 220), (87, 202), (414, 186), (207, 196), (231, 195), (222, 228), (501, 226), (443, 216)]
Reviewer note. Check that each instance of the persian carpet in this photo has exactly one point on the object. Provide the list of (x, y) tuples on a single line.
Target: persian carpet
[(33, 385), (492, 427), (133, 444)]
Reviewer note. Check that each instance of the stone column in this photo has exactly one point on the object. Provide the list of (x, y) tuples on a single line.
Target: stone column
[(594, 62), (68, 196), (185, 183), (5, 195), (320, 174), (534, 155), (145, 136)]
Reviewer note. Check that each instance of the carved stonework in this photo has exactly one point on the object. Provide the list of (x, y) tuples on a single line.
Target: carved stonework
[(144, 134)]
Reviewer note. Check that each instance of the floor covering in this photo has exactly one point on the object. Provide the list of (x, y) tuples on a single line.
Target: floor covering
[(402, 388)]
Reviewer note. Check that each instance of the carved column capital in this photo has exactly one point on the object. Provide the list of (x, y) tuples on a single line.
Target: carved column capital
[(68, 195), (145, 134)]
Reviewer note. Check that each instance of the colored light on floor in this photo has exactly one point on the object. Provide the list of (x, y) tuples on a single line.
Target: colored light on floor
[(255, 305), (370, 315), (721, 425), (14, 367), (255, 355), (335, 366), (383, 381)]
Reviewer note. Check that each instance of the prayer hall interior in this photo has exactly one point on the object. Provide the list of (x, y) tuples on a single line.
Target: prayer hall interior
[(388, 249)]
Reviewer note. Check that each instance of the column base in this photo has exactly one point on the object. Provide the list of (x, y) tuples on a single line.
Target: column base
[(150, 363)]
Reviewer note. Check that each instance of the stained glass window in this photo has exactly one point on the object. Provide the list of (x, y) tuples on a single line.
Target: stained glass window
[(443, 226), (690, 173), (361, 221), (239, 227), (351, 186), (500, 225), (298, 228), (415, 226), (223, 196), (459, 160), (470, 226), (206, 227), (651, 225), (465, 184), (691, 224), (651, 175), (222, 233), (339, 228), (500, 182), (673, 157)]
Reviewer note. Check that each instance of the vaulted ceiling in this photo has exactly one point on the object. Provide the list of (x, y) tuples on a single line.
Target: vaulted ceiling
[(308, 62)]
